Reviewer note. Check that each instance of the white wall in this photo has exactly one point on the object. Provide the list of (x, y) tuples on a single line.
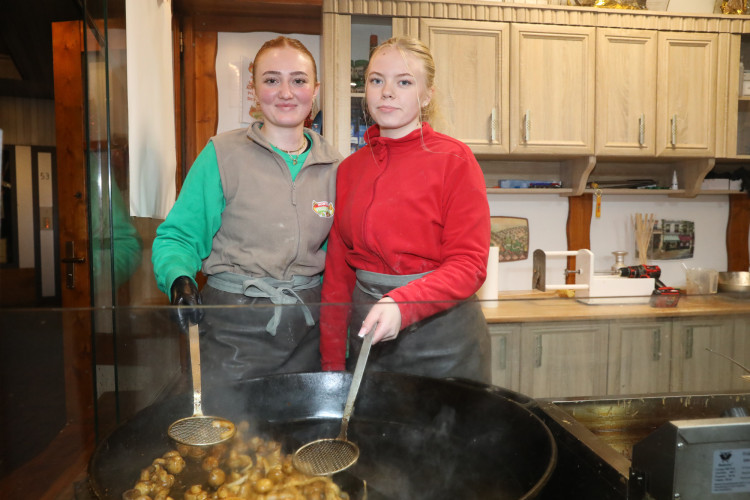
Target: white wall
[(547, 215)]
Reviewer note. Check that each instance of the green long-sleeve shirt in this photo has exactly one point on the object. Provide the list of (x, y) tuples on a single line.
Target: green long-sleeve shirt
[(184, 238)]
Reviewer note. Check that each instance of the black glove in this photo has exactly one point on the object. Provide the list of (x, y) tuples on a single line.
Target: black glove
[(184, 293)]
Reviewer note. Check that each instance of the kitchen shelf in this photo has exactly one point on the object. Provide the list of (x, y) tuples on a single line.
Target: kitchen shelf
[(639, 192), (558, 191), (576, 173)]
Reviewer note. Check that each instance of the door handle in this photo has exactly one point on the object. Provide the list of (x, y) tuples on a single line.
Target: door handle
[(70, 260), (526, 126), (493, 125), (642, 130)]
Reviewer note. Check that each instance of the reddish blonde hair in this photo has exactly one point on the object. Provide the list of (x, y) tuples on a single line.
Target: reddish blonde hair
[(284, 41)]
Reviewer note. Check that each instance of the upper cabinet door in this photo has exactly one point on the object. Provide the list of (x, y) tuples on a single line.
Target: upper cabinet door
[(687, 94), (552, 89), (471, 76), (625, 92)]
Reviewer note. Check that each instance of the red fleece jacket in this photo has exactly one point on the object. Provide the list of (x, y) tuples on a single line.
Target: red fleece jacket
[(405, 206)]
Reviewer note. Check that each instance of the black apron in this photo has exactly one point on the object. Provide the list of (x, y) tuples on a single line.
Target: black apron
[(452, 343), (271, 328)]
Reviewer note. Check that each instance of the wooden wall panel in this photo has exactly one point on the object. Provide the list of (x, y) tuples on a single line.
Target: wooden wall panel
[(200, 91), (738, 229), (578, 229), (28, 122), (206, 90)]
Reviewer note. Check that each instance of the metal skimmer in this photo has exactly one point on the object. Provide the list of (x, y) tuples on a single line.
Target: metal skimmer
[(199, 430), (324, 457)]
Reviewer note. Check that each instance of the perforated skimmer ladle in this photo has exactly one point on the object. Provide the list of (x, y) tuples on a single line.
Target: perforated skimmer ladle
[(327, 456), (199, 430)]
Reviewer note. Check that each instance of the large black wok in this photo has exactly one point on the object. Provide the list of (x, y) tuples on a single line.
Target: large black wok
[(420, 438)]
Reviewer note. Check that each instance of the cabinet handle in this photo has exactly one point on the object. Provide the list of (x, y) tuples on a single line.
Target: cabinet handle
[(656, 354), (688, 343), (526, 126), (538, 352), (502, 354), (642, 130), (493, 125), (674, 130)]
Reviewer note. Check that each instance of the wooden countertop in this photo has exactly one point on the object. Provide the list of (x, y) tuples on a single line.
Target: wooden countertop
[(534, 306)]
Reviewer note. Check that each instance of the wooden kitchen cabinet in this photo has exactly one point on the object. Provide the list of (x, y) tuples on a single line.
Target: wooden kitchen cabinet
[(505, 342), (337, 50), (564, 94), (552, 89), (625, 92), (687, 94), (738, 101), (471, 60), (564, 359), (639, 357), (694, 368)]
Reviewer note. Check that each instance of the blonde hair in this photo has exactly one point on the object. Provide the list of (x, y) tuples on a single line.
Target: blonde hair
[(284, 41), (408, 45)]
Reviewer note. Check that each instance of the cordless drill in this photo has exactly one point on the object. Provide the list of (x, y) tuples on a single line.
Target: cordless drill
[(643, 272)]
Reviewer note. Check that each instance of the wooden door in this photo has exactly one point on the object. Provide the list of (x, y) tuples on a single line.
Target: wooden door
[(686, 90), (73, 215), (564, 359), (505, 347), (639, 357), (694, 368), (471, 60), (552, 87), (625, 92)]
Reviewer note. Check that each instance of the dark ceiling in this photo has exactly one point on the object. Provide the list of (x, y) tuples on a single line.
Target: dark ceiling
[(26, 44)]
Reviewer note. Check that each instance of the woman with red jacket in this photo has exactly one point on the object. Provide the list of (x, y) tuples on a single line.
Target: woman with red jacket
[(411, 234)]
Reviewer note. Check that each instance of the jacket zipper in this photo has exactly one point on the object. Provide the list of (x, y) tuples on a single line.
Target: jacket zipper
[(375, 182)]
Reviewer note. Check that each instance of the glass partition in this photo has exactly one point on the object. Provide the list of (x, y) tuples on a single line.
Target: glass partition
[(544, 349)]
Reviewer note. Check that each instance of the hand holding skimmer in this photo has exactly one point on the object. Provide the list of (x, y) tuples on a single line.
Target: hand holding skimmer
[(199, 430), (324, 457)]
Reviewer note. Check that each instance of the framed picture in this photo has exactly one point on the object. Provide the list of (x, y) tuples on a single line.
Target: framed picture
[(511, 236), (671, 240)]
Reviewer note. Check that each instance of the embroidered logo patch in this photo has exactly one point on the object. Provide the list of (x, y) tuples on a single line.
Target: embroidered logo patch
[(323, 208)]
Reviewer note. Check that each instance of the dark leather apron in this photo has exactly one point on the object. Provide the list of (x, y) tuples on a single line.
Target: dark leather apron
[(272, 330), (452, 343)]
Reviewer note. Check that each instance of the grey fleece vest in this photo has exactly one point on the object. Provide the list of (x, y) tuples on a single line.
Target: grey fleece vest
[(272, 226)]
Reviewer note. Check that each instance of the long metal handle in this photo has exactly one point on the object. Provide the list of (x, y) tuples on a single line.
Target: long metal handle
[(359, 369), (642, 130), (493, 125), (526, 126), (502, 354), (538, 352), (674, 130), (195, 368), (689, 343), (747, 370), (656, 353)]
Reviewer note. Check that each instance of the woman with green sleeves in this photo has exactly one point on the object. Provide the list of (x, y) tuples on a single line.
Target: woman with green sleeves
[(253, 215)]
